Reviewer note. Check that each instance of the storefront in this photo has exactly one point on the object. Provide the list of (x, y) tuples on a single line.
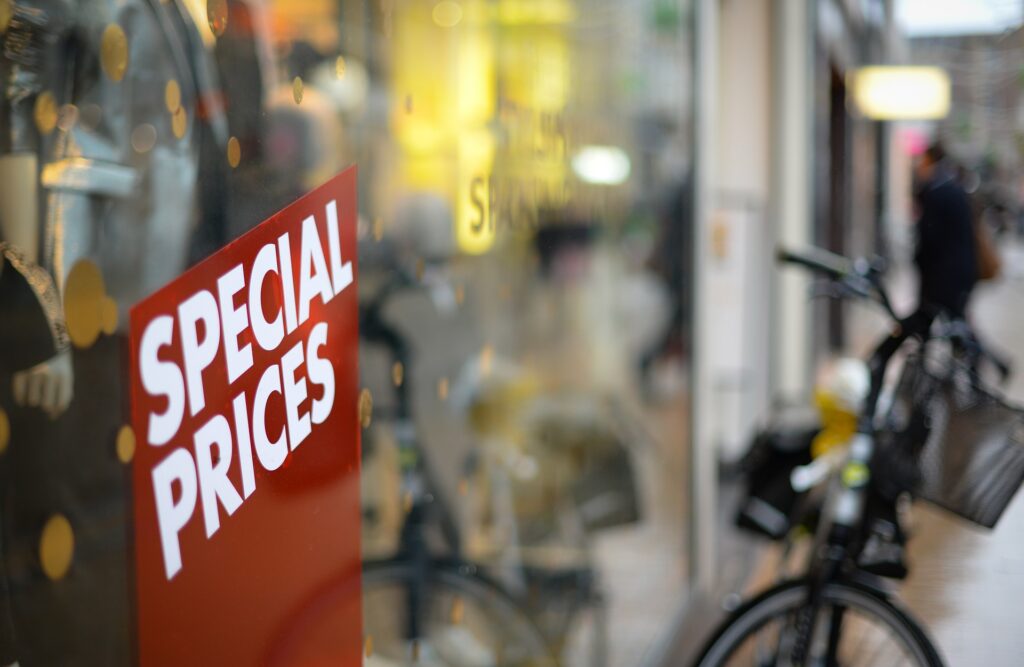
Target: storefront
[(524, 224)]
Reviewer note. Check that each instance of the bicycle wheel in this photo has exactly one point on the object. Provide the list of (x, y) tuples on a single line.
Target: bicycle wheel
[(873, 631), (464, 620)]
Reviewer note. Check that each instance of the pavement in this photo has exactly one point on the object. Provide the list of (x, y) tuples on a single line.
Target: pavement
[(967, 583)]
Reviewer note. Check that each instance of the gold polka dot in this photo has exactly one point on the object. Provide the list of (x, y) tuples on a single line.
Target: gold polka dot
[(45, 112), (5, 431), (458, 611), (378, 229), (84, 302), (368, 646), (297, 89), (234, 152), (407, 502), (108, 316), (179, 122), (447, 14), (442, 389), (125, 444), (339, 66), (114, 52), (217, 15), (460, 294), (6, 12), (397, 373), (56, 547), (365, 408), (172, 95), (67, 116), (144, 138)]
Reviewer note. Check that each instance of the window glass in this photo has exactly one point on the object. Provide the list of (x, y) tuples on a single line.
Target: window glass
[(524, 178)]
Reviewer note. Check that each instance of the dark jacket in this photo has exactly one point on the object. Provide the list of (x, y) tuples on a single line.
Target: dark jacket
[(945, 256)]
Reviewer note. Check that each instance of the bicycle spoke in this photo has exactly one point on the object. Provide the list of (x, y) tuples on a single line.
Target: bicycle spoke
[(901, 657), (900, 660), (855, 650), (760, 659), (859, 654), (887, 641), (870, 637)]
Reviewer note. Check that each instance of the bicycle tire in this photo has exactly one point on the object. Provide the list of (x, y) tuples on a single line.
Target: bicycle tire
[(788, 597), (459, 581)]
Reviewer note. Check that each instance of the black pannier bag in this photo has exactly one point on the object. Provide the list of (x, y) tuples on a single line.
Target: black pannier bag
[(769, 498)]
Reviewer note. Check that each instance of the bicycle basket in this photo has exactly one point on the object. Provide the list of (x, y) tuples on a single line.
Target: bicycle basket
[(968, 444)]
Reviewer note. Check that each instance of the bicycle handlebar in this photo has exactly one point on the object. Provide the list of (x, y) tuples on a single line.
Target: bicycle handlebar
[(857, 278), (835, 266), (863, 280)]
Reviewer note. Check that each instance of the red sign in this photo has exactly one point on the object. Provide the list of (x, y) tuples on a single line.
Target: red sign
[(246, 477)]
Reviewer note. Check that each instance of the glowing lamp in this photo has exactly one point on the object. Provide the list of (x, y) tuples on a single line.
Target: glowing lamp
[(901, 93), (601, 165)]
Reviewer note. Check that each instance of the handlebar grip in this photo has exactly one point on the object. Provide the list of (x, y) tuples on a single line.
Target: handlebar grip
[(816, 259)]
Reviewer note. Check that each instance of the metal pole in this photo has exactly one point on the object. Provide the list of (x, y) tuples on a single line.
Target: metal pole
[(703, 495)]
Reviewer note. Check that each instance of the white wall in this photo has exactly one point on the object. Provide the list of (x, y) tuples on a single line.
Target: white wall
[(753, 192), (744, 97), (792, 129), (758, 319), (740, 236)]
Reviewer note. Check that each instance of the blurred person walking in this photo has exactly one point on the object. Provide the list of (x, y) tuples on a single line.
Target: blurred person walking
[(946, 252), (946, 255)]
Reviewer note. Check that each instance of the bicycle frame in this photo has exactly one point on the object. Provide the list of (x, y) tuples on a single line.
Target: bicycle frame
[(845, 512), (850, 492)]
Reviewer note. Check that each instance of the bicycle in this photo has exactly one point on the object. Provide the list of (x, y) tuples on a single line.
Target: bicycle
[(428, 608), (933, 444)]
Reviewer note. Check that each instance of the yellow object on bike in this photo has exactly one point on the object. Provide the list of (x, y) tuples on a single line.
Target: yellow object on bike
[(838, 423)]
